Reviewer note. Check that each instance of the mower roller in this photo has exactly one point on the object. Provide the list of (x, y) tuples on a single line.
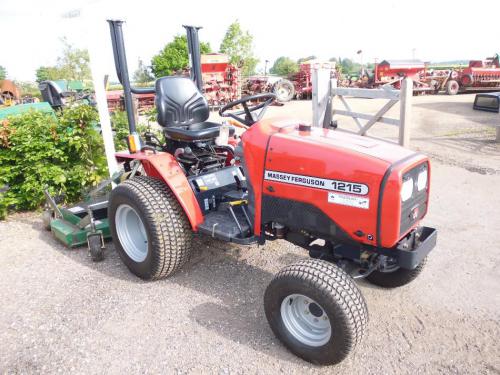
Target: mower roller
[(354, 204)]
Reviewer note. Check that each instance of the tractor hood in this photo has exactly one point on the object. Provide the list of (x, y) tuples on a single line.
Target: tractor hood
[(340, 142)]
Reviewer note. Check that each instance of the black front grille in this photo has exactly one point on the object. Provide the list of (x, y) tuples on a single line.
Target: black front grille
[(415, 207), (297, 216)]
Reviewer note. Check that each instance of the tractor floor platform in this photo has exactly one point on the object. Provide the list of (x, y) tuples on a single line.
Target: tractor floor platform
[(222, 225)]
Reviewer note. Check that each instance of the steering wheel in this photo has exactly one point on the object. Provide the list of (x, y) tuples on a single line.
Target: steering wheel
[(250, 118)]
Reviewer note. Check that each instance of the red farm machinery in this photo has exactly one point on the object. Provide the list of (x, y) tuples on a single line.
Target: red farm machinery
[(296, 86), (220, 79), (391, 73), (258, 84), (478, 76)]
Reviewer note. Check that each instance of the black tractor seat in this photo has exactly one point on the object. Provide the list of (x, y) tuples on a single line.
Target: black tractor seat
[(183, 111), (196, 132)]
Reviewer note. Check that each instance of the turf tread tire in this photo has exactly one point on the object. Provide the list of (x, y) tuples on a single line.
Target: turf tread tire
[(168, 229), (396, 279), (338, 294)]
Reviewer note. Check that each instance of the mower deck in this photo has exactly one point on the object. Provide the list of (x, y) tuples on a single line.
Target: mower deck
[(73, 225)]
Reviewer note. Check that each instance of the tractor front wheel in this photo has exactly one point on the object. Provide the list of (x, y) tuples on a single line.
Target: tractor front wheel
[(316, 310), (393, 276), (149, 227)]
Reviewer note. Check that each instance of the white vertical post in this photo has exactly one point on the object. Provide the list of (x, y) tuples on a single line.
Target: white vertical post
[(405, 112), (498, 134), (98, 77), (320, 93)]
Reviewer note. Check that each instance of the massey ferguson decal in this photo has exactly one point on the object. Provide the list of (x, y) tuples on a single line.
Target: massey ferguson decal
[(316, 182)]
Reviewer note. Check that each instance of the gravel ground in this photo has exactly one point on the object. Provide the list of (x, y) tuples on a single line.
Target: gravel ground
[(62, 313)]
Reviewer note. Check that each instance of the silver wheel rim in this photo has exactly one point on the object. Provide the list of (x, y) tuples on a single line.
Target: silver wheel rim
[(131, 233), (306, 320), (283, 93)]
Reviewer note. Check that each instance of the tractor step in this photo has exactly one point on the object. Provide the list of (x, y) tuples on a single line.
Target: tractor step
[(230, 224)]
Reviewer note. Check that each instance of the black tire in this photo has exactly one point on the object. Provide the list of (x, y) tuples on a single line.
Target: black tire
[(95, 248), (452, 87), (339, 298), (284, 90), (167, 228), (396, 278)]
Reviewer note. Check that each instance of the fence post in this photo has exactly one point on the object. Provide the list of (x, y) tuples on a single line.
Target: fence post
[(405, 112), (320, 94), (327, 119)]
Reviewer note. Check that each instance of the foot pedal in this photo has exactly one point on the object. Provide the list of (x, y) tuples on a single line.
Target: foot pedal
[(236, 195)]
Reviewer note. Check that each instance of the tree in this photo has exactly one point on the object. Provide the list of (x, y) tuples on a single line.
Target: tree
[(237, 44), (72, 65), (302, 59), (3, 72), (347, 65), (142, 74), (47, 73), (284, 66), (174, 56)]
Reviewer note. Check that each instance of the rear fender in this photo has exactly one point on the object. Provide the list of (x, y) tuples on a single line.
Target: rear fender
[(164, 167)]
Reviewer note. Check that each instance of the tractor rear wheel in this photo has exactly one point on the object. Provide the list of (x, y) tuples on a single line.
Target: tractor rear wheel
[(149, 227), (316, 310), (284, 90), (394, 276), (452, 87)]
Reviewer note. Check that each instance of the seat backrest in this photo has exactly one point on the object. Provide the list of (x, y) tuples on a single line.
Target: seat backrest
[(51, 93), (179, 102)]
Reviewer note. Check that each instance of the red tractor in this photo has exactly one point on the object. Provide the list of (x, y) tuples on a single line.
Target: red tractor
[(354, 204)]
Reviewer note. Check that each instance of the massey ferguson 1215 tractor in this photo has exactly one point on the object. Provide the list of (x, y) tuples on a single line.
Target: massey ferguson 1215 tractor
[(353, 203)]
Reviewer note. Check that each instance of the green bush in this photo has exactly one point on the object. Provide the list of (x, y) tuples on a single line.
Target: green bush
[(64, 154), (120, 127)]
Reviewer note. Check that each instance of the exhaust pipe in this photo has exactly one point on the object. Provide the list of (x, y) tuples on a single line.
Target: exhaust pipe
[(115, 28), (194, 55)]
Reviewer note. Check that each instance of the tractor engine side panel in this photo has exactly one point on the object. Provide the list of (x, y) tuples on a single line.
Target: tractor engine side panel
[(318, 182)]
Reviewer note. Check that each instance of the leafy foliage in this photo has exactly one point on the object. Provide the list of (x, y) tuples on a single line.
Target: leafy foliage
[(142, 74), (174, 56), (47, 73), (303, 59), (3, 72), (38, 150), (237, 44), (283, 66), (28, 88), (72, 65), (120, 127)]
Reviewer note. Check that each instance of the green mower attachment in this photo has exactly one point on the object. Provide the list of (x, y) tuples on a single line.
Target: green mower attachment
[(84, 223)]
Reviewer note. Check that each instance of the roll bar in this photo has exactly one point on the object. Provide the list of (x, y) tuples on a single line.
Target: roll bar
[(117, 41)]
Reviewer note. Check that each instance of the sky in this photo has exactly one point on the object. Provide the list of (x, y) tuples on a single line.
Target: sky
[(437, 30)]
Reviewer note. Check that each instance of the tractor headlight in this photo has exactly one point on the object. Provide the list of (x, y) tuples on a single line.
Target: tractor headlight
[(422, 179), (407, 189)]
